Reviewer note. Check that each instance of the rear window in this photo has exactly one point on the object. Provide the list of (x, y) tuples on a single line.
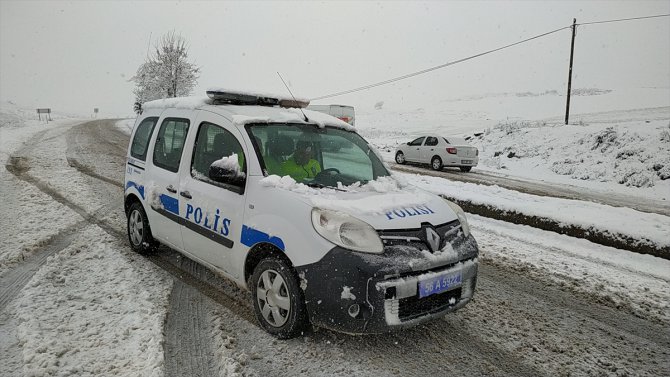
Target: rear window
[(456, 141), (170, 143), (138, 149)]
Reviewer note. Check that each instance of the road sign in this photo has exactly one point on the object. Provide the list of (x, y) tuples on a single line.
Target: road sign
[(44, 111)]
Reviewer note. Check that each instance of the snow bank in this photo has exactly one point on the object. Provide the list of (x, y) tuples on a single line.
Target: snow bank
[(31, 220), (633, 154), (614, 220), (37, 217), (68, 328)]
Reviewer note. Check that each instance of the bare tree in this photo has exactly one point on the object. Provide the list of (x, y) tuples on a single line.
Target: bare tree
[(166, 72)]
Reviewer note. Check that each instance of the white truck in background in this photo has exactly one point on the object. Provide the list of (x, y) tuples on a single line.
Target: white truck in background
[(342, 112)]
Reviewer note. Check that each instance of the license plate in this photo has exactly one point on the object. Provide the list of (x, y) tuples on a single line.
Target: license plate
[(466, 162), (440, 283)]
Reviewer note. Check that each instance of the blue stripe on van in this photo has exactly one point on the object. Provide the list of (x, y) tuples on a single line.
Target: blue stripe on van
[(139, 188), (252, 236), (170, 204)]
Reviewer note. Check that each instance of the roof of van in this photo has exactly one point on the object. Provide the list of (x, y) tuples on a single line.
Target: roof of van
[(243, 114)]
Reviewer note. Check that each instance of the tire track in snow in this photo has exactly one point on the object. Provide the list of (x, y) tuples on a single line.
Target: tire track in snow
[(187, 342), (19, 167), (188, 315), (615, 321), (191, 344), (13, 280)]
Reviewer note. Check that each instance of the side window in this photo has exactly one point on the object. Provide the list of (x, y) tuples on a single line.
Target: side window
[(170, 143), (213, 143), (138, 149), (431, 141), (416, 142)]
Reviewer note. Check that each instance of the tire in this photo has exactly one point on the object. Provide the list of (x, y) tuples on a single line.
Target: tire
[(466, 169), (400, 158), (436, 163), (139, 231), (279, 305)]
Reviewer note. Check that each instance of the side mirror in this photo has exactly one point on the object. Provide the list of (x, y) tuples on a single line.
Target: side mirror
[(227, 175), (409, 143)]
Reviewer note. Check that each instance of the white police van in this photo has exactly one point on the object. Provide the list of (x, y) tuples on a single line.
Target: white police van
[(239, 182)]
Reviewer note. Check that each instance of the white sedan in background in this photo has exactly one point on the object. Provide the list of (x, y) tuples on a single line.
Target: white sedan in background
[(439, 152)]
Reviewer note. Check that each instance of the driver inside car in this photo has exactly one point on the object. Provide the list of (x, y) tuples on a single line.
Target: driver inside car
[(301, 165)]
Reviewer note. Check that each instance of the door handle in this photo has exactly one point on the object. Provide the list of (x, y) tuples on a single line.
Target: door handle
[(186, 194), (171, 189)]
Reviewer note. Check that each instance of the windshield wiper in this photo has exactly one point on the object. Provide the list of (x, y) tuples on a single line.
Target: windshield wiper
[(321, 185), (314, 184)]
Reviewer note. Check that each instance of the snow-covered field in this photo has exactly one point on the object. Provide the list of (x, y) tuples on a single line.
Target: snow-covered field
[(609, 146)]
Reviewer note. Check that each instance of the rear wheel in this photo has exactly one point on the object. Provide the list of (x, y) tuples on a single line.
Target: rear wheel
[(278, 301), (400, 158), (466, 169), (436, 163), (139, 231)]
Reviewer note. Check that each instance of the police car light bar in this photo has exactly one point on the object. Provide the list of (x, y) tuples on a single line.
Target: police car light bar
[(236, 98)]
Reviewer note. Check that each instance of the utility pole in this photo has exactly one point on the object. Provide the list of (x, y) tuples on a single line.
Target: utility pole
[(572, 51)]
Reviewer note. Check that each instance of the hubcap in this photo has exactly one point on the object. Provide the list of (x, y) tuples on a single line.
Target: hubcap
[(135, 227), (273, 298), (400, 158), (436, 164)]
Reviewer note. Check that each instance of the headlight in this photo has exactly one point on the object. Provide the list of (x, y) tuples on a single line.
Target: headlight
[(346, 231), (461, 217)]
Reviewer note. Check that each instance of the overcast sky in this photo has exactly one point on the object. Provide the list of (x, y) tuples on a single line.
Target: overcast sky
[(76, 55)]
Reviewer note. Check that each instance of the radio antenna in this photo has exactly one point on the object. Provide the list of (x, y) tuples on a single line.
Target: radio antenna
[(289, 91)]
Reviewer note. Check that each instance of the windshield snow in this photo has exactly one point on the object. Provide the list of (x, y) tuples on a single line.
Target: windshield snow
[(319, 157)]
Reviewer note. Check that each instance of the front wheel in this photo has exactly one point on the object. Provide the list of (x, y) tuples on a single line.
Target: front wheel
[(278, 301), (466, 169), (139, 232), (400, 158), (436, 163)]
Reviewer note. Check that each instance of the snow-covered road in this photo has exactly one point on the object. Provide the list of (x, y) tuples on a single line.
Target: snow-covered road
[(74, 299)]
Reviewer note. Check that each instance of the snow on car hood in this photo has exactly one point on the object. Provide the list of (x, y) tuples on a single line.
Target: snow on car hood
[(385, 203)]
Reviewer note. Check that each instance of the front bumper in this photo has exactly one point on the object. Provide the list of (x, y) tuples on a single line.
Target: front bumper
[(362, 293)]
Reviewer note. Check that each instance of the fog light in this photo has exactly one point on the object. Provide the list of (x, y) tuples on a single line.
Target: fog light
[(354, 310)]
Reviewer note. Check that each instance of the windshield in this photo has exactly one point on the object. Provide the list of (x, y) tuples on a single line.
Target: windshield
[(315, 156)]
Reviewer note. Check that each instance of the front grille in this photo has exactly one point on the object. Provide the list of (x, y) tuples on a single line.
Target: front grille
[(417, 237), (413, 307)]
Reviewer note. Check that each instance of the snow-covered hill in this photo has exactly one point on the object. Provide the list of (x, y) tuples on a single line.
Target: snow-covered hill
[(610, 146)]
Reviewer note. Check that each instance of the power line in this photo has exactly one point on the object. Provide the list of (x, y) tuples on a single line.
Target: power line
[(437, 67), (623, 19), (417, 73)]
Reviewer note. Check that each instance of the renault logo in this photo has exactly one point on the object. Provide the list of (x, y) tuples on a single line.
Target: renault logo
[(433, 239)]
